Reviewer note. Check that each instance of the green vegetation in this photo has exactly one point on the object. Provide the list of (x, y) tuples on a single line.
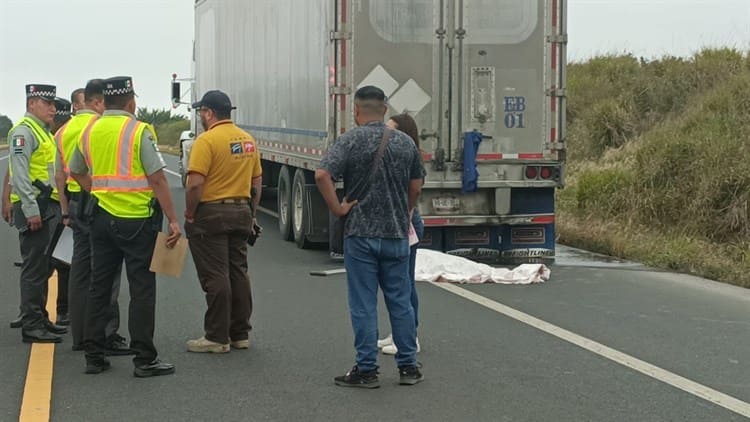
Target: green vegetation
[(659, 162), (5, 125), (168, 127)]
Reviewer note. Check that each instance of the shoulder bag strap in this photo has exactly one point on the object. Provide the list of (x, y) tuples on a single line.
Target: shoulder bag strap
[(378, 157)]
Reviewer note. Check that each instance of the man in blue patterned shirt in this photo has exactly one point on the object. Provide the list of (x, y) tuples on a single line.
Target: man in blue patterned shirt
[(376, 246)]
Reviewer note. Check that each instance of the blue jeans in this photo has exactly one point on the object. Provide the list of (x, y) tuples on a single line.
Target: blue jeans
[(373, 262), (418, 224)]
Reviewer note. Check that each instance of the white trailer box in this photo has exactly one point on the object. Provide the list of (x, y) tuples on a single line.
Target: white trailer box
[(484, 79)]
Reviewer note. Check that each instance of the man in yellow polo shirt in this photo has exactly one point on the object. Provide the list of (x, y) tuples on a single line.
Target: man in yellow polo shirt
[(224, 165)]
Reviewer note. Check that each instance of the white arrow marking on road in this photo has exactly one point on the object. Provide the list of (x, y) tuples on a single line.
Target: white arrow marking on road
[(684, 384)]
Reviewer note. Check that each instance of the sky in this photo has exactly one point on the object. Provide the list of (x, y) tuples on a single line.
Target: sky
[(66, 42)]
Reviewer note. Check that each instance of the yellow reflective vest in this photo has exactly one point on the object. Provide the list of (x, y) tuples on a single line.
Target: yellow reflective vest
[(111, 147), (67, 138), (42, 161)]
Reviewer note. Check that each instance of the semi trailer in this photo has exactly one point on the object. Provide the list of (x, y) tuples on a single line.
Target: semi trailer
[(484, 79)]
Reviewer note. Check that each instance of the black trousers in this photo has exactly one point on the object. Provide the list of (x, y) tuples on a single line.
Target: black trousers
[(114, 239), (80, 277), (63, 279), (36, 265)]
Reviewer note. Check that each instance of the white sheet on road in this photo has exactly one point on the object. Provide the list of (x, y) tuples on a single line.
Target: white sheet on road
[(437, 266)]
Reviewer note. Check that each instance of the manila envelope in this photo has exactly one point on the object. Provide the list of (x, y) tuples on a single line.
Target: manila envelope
[(169, 261)]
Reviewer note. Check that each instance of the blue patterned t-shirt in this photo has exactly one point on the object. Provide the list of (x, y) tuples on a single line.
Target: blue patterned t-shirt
[(383, 210)]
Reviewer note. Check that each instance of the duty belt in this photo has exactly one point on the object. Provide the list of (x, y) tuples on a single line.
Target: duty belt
[(236, 201)]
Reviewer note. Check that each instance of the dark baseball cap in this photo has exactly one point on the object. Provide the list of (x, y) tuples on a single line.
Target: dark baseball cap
[(215, 100)]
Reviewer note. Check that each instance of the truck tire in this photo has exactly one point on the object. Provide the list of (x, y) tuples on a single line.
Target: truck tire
[(300, 210), (284, 198)]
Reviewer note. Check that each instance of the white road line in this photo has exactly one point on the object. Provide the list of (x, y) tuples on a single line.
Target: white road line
[(173, 173), (269, 212), (684, 384), (4, 157)]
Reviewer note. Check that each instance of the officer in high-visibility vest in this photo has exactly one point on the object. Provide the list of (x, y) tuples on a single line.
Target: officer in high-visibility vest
[(36, 211), (117, 161), (62, 116), (67, 138)]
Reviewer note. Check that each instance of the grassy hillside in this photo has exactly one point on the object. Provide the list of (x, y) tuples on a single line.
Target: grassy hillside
[(659, 162)]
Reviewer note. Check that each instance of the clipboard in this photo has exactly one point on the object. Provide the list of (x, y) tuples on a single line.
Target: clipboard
[(63, 249), (168, 261)]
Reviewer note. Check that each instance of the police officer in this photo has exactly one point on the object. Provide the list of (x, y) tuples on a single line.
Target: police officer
[(35, 210), (62, 116), (67, 138), (117, 161)]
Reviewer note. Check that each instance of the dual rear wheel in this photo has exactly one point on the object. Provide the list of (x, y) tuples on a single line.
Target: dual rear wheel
[(294, 205)]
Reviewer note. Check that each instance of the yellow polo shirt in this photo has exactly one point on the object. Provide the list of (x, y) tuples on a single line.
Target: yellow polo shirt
[(228, 158)]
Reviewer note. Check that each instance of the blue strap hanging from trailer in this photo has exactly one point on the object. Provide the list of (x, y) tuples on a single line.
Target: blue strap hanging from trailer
[(471, 174)]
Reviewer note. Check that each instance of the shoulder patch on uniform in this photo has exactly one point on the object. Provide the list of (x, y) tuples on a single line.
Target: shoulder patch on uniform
[(18, 141)]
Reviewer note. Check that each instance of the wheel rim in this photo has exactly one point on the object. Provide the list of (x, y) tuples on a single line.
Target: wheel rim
[(298, 208), (283, 203)]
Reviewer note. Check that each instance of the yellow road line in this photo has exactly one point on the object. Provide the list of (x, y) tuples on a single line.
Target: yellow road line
[(37, 393)]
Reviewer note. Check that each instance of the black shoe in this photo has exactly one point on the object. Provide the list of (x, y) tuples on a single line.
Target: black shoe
[(409, 375), (17, 323), (77, 348), (117, 345), (18, 263), (54, 328), (39, 335), (153, 369), (355, 378), (97, 366), (63, 320)]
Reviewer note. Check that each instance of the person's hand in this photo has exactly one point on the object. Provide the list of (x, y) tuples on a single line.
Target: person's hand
[(66, 220), (7, 211), (174, 234), (345, 207), (255, 229), (189, 217), (34, 223)]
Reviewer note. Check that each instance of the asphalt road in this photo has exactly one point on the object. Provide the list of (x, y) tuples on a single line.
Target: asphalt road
[(479, 365)]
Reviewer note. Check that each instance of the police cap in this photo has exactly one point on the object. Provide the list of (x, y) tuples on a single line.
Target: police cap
[(118, 85), (46, 92), (62, 109)]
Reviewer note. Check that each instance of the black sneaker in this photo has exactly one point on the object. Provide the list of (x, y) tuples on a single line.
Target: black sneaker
[(355, 378), (117, 345), (154, 368), (97, 366), (409, 375)]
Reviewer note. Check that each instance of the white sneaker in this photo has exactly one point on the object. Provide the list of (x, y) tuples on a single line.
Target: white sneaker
[(240, 344), (202, 345), (385, 342), (391, 349)]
